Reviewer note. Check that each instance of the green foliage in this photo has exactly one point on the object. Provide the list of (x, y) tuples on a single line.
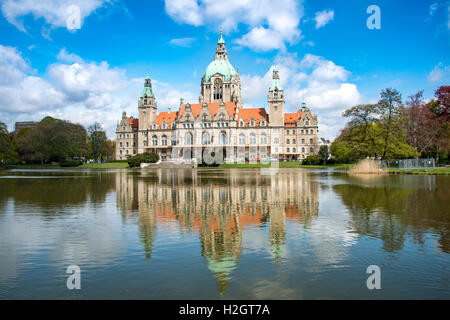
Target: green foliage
[(312, 160), (148, 157), (71, 163), (375, 131), (323, 153), (51, 140), (7, 153)]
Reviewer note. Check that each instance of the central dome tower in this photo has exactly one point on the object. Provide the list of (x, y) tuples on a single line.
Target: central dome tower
[(220, 82)]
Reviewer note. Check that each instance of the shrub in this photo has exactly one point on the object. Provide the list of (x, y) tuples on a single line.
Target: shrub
[(71, 163), (312, 160), (148, 157)]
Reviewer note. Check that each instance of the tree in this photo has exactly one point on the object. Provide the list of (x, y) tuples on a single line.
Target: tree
[(375, 131), (7, 152), (390, 112), (362, 120), (98, 145), (323, 153), (51, 140)]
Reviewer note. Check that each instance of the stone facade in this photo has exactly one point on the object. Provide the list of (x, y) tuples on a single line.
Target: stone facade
[(218, 127)]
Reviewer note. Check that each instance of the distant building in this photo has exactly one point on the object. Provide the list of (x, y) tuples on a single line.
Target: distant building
[(219, 122), (22, 125)]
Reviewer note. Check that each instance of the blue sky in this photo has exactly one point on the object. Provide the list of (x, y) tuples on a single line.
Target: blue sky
[(326, 54)]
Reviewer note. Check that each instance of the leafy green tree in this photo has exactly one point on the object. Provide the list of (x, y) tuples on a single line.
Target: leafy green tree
[(7, 152), (51, 140), (323, 153), (376, 131), (391, 119), (98, 142)]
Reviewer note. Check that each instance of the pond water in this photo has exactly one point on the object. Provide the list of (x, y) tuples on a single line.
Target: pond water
[(223, 234)]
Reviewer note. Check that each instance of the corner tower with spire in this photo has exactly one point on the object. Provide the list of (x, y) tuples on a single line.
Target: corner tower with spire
[(221, 82), (275, 100), (147, 105)]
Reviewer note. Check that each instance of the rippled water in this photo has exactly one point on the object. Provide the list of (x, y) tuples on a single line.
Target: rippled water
[(212, 233)]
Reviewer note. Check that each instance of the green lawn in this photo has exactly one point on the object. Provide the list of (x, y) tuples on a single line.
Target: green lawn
[(289, 164), (105, 165), (445, 170)]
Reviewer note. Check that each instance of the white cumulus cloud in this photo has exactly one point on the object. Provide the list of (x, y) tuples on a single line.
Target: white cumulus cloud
[(270, 23), (319, 82), (54, 12), (323, 17)]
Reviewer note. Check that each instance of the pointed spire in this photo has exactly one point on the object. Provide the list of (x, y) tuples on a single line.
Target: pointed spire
[(275, 79), (221, 38), (148, 91), (221, 51)]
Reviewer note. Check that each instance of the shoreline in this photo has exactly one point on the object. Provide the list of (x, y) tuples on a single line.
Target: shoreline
[(282, 165)]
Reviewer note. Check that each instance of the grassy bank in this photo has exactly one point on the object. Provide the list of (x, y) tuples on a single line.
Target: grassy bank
[(281, 165), (105, 165), (438, 171)]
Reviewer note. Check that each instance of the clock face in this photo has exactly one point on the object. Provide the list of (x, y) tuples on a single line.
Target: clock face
[(217, 82)]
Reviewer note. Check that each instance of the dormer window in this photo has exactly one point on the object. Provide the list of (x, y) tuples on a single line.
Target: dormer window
[(262, 123), (252, 122), (155, 126), (164, 125), (241, 123)]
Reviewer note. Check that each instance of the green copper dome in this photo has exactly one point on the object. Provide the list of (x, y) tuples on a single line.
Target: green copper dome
[(222, 67)]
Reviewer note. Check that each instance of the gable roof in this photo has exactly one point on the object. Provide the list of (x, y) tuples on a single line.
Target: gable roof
[(256, 113), (168, 117), (134, 122), (213, 108)]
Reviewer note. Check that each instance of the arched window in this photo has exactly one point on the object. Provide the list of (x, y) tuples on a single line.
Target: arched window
[(206, 139), (311, 131), (307, 123), (252, 122), (164, 125), (205, 117), (223, 138), (188, 138), (275, 93), (121, 144), (311, 150), (263, 138), (241, 123), (294, 141), (303, 149), (221, 117), (145, 143), (155, 125), (164, 140), (241, 138), (218, 89), (252, 138), (154, 141), (287, 141), (288, 150), (303, 141), (302, 131), (311, 141), (293, 149)]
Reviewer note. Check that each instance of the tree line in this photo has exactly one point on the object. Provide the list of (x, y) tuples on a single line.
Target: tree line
[(391, 129), (54, 140)]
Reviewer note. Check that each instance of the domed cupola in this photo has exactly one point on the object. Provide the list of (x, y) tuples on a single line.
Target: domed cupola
[(220, 64), (221, 82)]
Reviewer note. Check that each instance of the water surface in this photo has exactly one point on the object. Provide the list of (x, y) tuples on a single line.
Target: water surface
[(222, 233)]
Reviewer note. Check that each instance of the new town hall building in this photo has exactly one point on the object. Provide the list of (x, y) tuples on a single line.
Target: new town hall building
[(219, 126)]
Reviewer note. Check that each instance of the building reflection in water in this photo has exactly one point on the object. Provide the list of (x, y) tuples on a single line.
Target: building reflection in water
[(218, 205)]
